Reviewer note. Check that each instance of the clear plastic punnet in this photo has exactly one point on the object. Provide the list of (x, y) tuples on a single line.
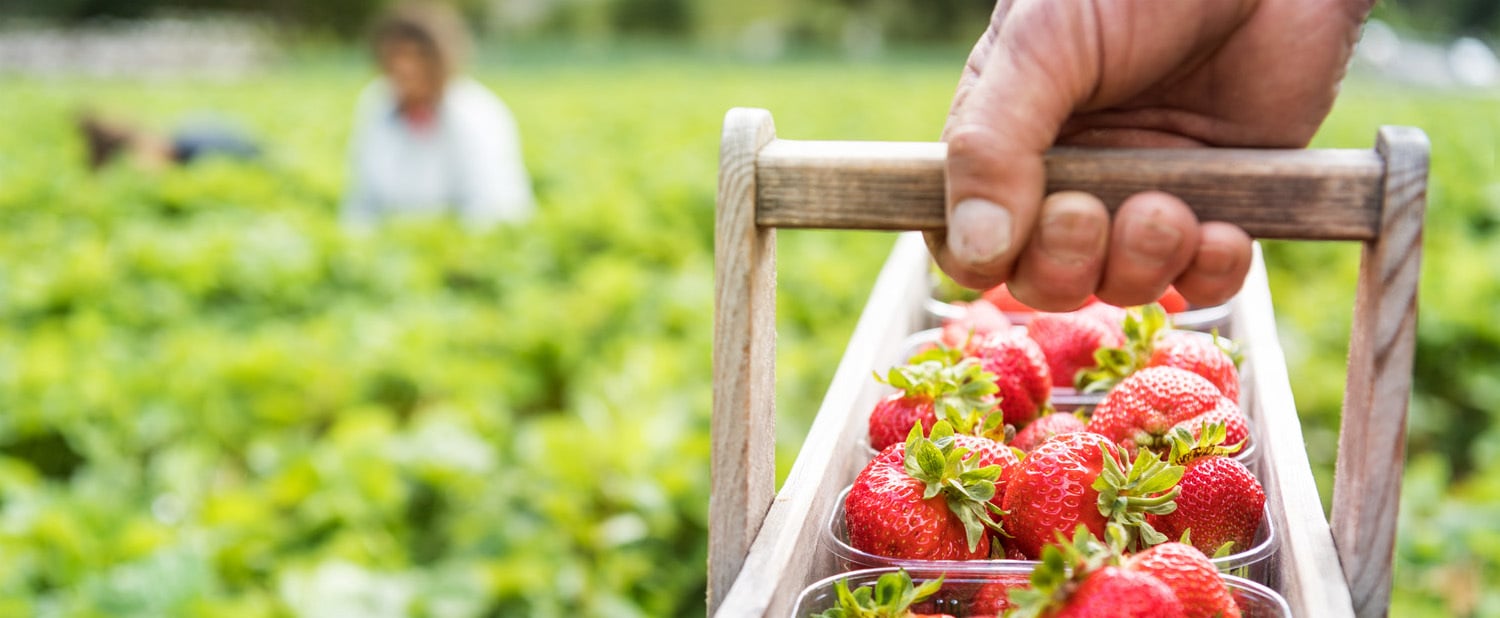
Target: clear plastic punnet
[(1253, 563), (961, 586)]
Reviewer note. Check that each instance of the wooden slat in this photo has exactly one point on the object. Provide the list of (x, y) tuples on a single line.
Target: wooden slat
[(1307, 567), (788, 555), (898, 186), (1324, 194), (1372, 433), (744, 356)]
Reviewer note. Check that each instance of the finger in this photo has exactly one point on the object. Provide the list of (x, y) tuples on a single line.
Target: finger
[(937, 239), (1219, 267), (1063, 262), (1049, 59), (1004, 121), (978, 56), (1153, 240)]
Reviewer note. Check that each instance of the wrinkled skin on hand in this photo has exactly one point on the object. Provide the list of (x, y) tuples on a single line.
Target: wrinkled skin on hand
[(1125, 73)]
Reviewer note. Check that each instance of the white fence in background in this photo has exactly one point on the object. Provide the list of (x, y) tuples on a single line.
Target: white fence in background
[(1466, 62), (221, 48)]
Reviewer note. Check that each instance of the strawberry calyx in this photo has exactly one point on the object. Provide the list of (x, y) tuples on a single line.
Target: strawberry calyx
[(961, 391), (1143, 326), (947, 469), (891, 597), (1230, 348), (1064, 566), (1127, 496), (1209, 443)]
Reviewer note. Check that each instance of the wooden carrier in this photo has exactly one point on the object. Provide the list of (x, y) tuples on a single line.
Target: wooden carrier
[(764, 545)]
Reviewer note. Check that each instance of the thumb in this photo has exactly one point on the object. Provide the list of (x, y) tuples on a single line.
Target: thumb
[(1041, 62)]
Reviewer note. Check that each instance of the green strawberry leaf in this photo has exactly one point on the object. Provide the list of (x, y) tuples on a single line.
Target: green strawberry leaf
[(1230, 347), (1223, 550), (1209, 443), (1143, 326), (1064, 565), (1127, 496), (891, 596), (961, 391), (947, 469)]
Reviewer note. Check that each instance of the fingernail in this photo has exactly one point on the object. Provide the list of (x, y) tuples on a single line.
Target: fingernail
[(1070, 237), (979, 231), (1150, 242)]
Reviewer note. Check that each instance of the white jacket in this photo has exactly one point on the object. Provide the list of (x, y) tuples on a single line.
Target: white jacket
[(468, 164)]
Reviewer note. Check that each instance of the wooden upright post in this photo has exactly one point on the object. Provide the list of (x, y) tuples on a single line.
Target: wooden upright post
[(1372, 433), (744, 357)]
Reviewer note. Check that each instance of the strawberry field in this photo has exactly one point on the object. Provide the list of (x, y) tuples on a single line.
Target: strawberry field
[(218, 403)]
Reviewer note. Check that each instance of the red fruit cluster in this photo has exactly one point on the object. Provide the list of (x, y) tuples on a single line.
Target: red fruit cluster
[(1220, 503), (1041, 429), (979, 318), (1086, 579), (935, 384), (1147, 406), (1150, 341), (929, 498), (1001, 297), (1070, 341), (1083, 479), (1149, 465), (1021, 373)]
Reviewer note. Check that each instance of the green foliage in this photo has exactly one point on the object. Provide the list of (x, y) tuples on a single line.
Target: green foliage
[(1453, 478), (217, 403)]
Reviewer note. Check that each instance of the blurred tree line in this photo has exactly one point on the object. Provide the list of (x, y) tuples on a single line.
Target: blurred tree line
[(845, 22), (773, 24), (705, 20)]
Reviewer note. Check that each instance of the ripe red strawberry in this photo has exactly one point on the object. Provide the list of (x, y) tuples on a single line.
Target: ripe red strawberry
[(1110, 315), (1145, 407), (1084, 479), (980, 318), (1117, 593), (1069, 341), (1199, 354), (892, 596), (1173, 301), (895, 411), (927, 498), (1001, 297), (994, 597), (1020, 371), (1236, 428), (1045, 427), (1100, 584), (1220, 502), (937, 384), (1193, 579), (1150, 341)]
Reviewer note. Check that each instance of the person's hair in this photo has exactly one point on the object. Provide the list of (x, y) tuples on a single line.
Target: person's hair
[(102, 139), (434, 26)]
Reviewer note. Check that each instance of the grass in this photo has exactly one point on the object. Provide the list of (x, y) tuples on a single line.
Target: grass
[(206, 344)]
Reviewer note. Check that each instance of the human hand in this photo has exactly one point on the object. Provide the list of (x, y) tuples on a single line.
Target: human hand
[(1124, 73)]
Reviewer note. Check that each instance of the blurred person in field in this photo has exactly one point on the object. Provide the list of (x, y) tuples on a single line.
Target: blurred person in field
[(109, 139), (428, 140)]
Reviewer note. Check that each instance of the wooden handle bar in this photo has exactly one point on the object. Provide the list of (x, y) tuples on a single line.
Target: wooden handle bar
[(1375, 196), (1305, 194)]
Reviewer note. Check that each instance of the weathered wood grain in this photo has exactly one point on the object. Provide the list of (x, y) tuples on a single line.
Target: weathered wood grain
[(788, 555), (744, 355), (1306, 569), (1373, 196), (1323, 194), (1372, 433)]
